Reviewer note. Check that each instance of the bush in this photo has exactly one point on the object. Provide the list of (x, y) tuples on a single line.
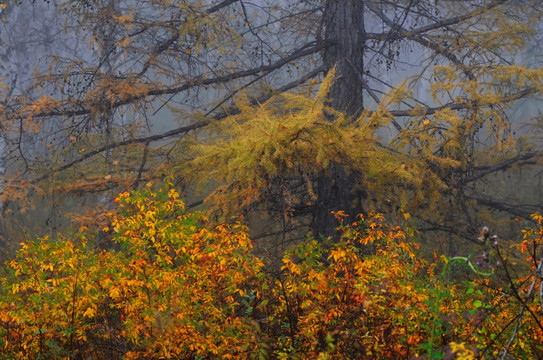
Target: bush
[(174, 290), (178, 287)]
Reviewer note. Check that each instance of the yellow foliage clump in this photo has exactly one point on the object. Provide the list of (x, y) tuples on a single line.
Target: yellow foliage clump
[(175, 290), (277, 149)]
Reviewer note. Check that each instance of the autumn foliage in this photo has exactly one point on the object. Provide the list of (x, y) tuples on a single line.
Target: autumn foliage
[(172, 285), (172, 289)]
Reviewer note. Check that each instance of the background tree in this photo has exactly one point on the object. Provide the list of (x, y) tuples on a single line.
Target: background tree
[(156, 75)]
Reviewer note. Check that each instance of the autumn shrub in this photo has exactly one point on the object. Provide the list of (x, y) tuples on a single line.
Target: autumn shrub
[(175, 289), (372, 296), (49, 300), (176, 286), (514, 321), (368, 296)]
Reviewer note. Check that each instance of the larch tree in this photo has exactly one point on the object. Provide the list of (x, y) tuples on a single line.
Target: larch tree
[(415, 114)]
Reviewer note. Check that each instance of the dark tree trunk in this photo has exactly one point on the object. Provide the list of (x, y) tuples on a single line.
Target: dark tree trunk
[(344, 30)]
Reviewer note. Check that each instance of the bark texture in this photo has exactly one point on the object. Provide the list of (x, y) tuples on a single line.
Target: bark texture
[(344, 32)]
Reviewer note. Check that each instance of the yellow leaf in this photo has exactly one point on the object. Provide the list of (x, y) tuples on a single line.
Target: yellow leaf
[(114, 293), (90, 312), (124, 42)]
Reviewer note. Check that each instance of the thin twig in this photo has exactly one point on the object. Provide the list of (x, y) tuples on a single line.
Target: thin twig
[(524, 306)]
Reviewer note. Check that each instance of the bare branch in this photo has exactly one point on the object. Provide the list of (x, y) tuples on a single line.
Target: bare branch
[(482, 171), (220, 5), (437, 25), (174, 132), (524, 306), (396, 28), (201, 80)]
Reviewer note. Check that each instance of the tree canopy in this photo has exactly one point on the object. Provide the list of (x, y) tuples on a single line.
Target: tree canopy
[(419, 113)]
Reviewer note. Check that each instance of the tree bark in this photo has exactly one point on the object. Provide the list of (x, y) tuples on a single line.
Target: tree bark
[(345, 34), (344, 31)]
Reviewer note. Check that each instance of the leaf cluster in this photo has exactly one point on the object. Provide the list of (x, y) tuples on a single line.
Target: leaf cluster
[(275, 151)]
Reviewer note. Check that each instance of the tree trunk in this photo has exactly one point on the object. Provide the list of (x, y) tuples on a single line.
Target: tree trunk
[(344, 30)]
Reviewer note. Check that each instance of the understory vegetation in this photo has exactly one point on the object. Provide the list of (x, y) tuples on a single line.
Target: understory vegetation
[(171, 285)]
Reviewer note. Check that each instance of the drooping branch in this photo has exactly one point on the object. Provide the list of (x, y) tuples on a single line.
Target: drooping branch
[(178, 131), (522, 211), (482, 171), (80, 109)]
